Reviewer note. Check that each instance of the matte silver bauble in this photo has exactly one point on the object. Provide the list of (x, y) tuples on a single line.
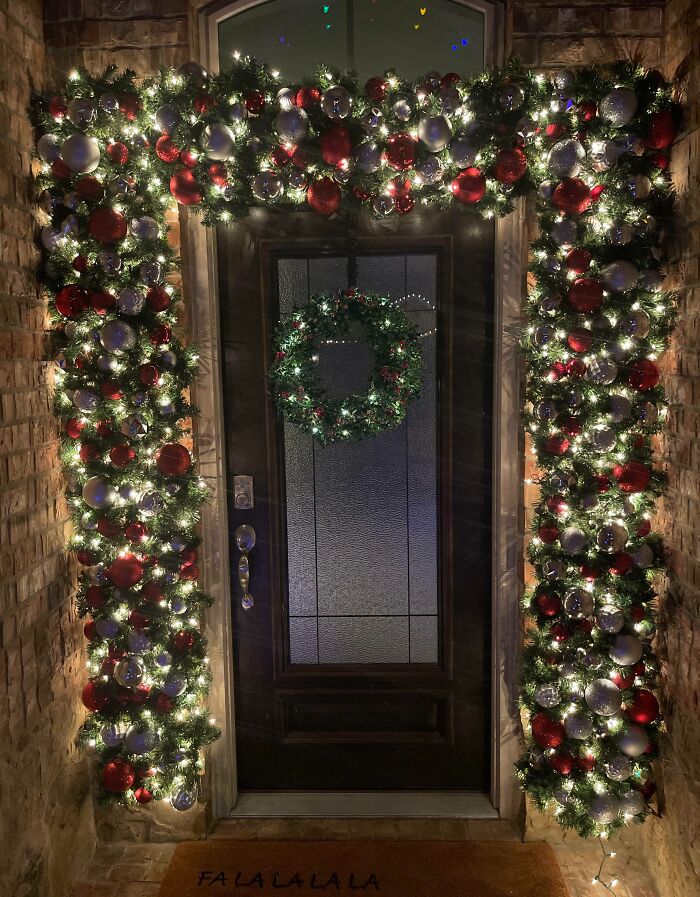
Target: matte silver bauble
[(612, 538), (578, 603), (336, 103), (80, 153), (626, 650), (578, 726), (632, 803), (81, 111), (291, 125), (619, 407), (633, 741), (434, 132), (618, 106), (368, 157), (266, 186), (462, 152), (48, 147), (610, 619), (98, 494), (564, 232), (620, 276), (603, 697), (573, 540), (218, 142), (167, 117), (129, 671), (140, 739), (565, 158), (604, 809)]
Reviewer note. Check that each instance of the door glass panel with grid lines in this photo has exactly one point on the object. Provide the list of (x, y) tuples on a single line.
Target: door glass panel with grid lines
[(362, 517)]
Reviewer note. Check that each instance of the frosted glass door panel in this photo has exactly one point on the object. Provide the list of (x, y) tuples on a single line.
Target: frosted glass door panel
[(362, 518)]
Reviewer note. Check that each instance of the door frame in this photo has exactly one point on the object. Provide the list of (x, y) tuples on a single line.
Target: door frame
[(200, 285)]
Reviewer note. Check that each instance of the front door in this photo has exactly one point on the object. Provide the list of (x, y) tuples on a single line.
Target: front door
[(364, 660)]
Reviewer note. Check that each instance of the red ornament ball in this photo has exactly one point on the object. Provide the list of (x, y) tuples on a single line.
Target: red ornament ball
[(469, 187), (404, 204), (163, 703), (185, 189), (90, 188), (324, 196), (110, 389), (590, 574), (160, 335), (189, 158), (555, 131), (189, 572), (633, 476), (85, 558), (107, 226), (173, 460), (93, 697), (136, 532), (58, 107), (586, 110), (622, 563), (547, 604), (572, 196), (586, 295), (125, 571), (184, 640), (89, 452), (560, 632), (623, 679), (580, 340), (336, 145), (90, 630), (280, 156), (118, 153), (556, 444), (450, 79), (148, 374), (95, 596), (158, 298), (60, 170), (586, 763), (71, 301), (152, 592), (662, 130), (375, 89), (549, 533), (108, 528), (556, 504), (308, 97), (401, 151), (74, 428), (644, 708), (511, 165), (562, 763), (129, 105), (217, 174), (204, 102), (143, 795), (547, 733), (117, 775), (644, 375), (578, 260), (644, 528), (254, 102), (121, 455), (102, 302)]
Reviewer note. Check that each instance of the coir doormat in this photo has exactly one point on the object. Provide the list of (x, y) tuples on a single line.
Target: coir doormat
[(361, 868)]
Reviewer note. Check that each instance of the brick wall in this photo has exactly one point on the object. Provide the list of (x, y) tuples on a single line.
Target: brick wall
[(45, 810), (674, 841)]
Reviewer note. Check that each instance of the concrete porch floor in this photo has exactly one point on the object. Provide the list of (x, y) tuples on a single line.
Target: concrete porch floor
[(132, 869)]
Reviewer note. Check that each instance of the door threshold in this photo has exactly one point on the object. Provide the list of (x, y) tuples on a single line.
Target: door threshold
[(365, 804)]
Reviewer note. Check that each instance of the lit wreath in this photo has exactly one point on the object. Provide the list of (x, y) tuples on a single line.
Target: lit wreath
[(395, 379)]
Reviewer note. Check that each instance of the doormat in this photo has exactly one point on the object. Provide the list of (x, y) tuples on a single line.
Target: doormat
[(361, 868)]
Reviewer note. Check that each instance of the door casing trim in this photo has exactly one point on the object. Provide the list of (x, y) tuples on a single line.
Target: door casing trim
[(200, 284)]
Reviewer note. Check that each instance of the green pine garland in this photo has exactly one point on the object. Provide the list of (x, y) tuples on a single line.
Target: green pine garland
[(395, 379)]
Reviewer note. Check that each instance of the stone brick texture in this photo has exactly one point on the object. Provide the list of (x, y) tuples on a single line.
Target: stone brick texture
[(46, 811)]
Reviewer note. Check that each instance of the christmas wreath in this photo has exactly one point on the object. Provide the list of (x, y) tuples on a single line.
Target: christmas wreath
[(395, 378)]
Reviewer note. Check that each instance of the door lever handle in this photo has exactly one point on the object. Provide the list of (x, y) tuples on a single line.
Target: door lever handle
[(245, 542)]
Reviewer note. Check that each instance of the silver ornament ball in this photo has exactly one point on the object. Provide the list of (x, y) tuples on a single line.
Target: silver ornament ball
[(610, 619), (217, 142), (578, 726), (633, 741), (612, 538), (462, 152), (578, 603), (565, 158), (291, 125), (167, 117), (98, 494), (336, 103), (130, 671), (626, 650), (603, 697), (266, 186), (618, 107), (80, 153), (434, 132), (81, 111)]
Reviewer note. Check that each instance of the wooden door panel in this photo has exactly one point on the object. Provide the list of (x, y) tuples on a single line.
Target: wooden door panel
[(362, 725)]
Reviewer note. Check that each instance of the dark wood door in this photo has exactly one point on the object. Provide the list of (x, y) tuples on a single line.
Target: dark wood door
[(364, 662)]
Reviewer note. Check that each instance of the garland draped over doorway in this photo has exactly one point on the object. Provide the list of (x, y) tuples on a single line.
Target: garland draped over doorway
[(592, 145)]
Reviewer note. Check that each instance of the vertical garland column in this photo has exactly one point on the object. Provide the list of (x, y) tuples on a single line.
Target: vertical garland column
[(121, 397), (598, 320)]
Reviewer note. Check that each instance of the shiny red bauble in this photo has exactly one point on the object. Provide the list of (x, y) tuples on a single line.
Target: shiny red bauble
[(547, 604), (136, 532), (108, 528), (125, 571), (121, 455), (189, 157), (93, 697), (90, 630), (117, 775), (586, 763), (118, 153), (469, 187), (85, 558), (404, 204), (590, 574), (90, 188), (556, 504), (158, 298), (547, 732), (189, 572), (623, 679), (548, 533), (58, 107), (217, 174), (173, 459), (662, 130), (70, 301), (163, 703), (586, 110), (571, 426), (561, 633), (152, 592), (336, 145), (308, 97), (375, 89), (143, 795), (572, 196), (556, 444), (188, 556), (562, 763), (578, 260), (622, 563), (107, 226), (633, 476), (74, 428), (644, 375), (555, 130), (280, 156), (184, 640), (95, 596), (148, 374), (203, 102), (602, 483), (110, 389), (450, 79), (129, 105), (102, 302), (185, 189), (60, 170), (324, 196), (580, 340), (643, 529), (644, 708), (586, 295), (160, 335), (254, 102), (89, 452), (510, 166), (401, 151)]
